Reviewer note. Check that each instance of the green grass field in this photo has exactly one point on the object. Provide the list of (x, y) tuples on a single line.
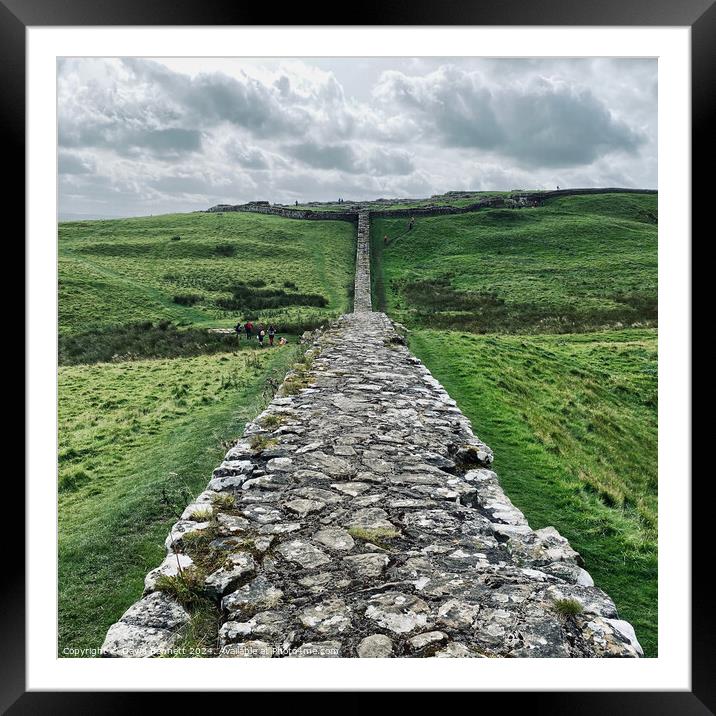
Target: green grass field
[(120, 271), (577, 263), (540, 323), (137, 441)]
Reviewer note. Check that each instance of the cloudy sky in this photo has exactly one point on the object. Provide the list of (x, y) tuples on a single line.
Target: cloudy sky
[(150, 136)]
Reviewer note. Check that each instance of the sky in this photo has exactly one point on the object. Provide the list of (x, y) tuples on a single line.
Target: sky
[(140, 136)]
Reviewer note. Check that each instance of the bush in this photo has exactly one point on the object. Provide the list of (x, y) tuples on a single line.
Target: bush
[(140, 340), (225, 249), (247, 297), (186, 299)]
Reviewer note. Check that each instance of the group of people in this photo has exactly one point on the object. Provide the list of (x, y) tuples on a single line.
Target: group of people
[(261, 332)]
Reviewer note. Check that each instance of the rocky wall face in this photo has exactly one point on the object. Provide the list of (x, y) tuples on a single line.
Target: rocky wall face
[(359, 517)]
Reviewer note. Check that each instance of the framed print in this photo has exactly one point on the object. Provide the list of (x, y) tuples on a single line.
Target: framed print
[(371, 345)]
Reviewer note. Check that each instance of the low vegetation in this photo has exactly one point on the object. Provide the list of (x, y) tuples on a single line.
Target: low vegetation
[(144, 339)]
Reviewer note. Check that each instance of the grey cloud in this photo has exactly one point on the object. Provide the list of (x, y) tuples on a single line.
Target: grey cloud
[(68, 163), (537, 124), (182, 185), (384, 162), (248, 157), (213, 97), (167, 143), (378, 161), (324, 156)]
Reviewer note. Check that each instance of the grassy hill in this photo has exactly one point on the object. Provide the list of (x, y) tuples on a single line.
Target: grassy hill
[(540, 323), (576, 263), (203, 269)]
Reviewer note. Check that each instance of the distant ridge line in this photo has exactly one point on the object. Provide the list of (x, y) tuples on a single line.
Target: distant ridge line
[(515, 199)]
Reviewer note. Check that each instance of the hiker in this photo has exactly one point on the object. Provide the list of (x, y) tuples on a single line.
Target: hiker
[(238, 330), (271, 333), (385, 240), (248, 328), (262, 333), (411, 223), (282, 341)]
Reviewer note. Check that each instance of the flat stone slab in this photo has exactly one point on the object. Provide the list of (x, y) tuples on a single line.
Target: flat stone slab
[(375, 646), (335, 538), (259, 594), (303, 554), (398, 612)]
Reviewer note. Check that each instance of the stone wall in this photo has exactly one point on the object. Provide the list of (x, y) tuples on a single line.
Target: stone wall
[(359, 516), (361, 293), (516, 199), (351, 216)]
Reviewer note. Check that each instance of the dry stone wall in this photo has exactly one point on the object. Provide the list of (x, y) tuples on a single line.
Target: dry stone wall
[(285, 212), (359, 516), (515, 199), (361, 292)]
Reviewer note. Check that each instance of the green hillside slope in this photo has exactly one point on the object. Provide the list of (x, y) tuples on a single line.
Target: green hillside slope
[(576, 263), (208, 269)]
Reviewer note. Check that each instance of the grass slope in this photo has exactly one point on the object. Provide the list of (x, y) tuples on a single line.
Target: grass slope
[(119, 271), (577, 263), (137, 441), (572, 421)]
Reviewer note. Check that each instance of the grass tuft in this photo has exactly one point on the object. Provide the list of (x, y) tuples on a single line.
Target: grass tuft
[(568, 607)]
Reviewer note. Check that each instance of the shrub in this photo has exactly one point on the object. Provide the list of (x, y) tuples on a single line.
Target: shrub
[(225, 249), (251, 296), (186, 299), (140, 340)]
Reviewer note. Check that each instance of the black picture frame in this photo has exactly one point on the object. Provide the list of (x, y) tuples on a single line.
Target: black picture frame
[(699, 15)]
